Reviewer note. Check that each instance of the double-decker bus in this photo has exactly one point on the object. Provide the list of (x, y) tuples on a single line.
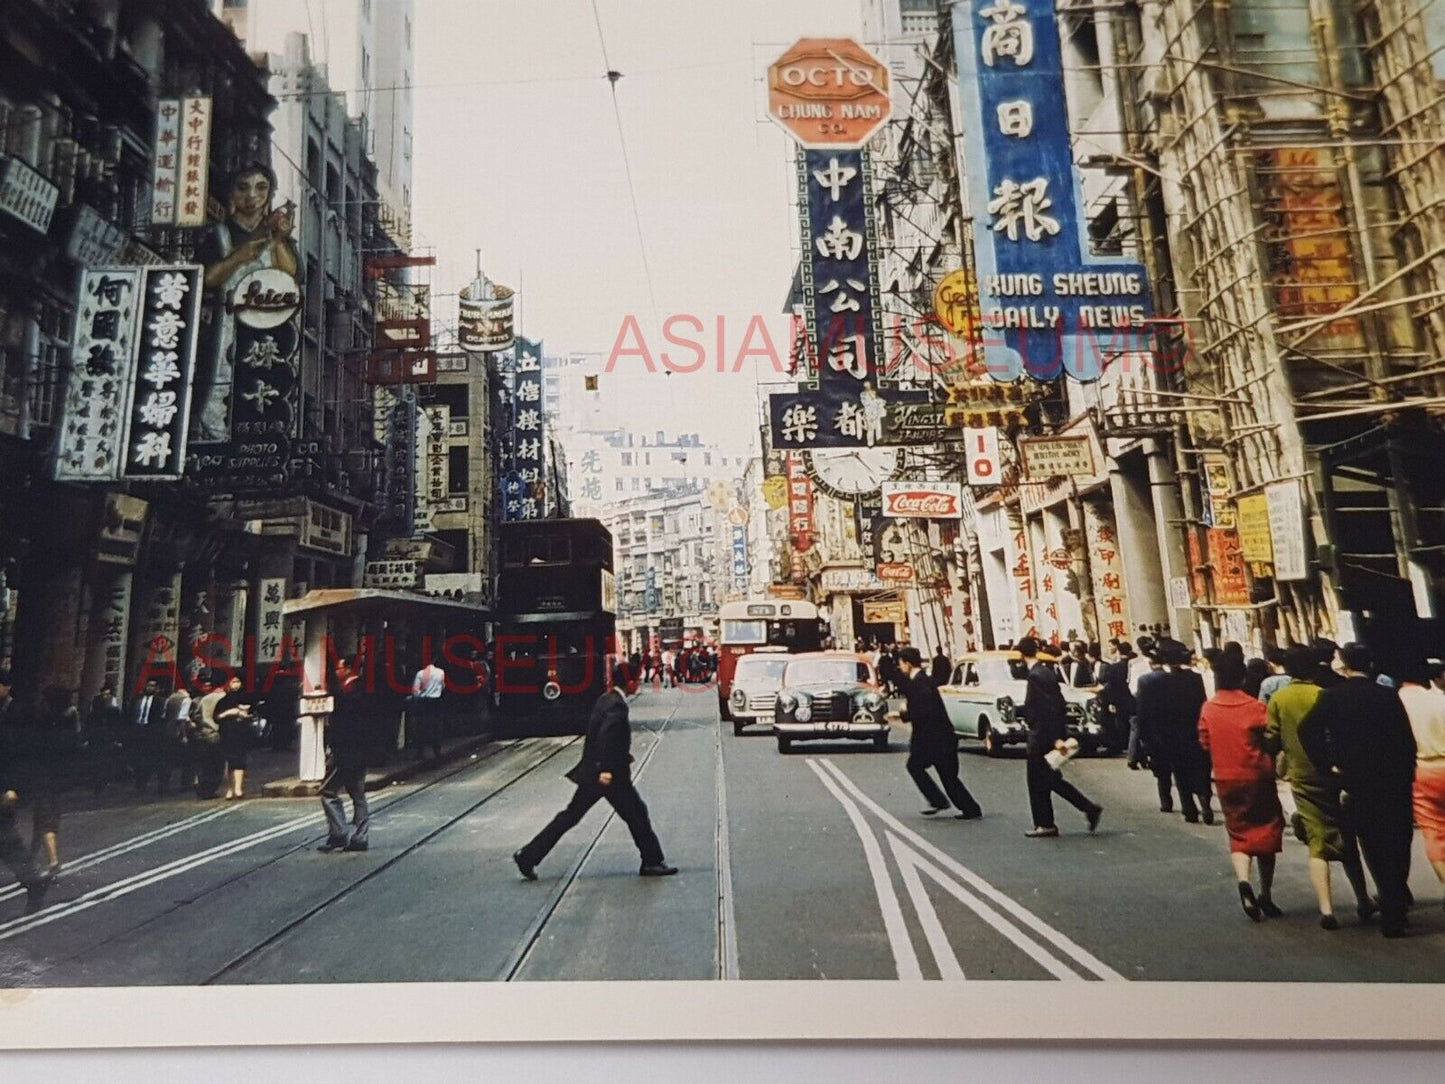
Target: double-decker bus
[(744, 627), (556, 633)]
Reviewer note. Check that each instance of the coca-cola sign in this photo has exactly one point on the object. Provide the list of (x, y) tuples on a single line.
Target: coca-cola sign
[(923, 500)]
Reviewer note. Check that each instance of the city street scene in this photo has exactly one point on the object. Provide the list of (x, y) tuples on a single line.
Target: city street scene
[(939, 490)]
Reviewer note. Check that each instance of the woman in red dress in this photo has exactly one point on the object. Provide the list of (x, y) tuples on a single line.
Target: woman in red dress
[(1231, 730)]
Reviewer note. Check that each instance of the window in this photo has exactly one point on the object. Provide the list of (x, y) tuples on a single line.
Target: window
[(458, 468), (365, 67), (619, 485), (707, 459), (627, 459)]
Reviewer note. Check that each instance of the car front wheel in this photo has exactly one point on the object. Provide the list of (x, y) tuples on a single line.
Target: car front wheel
[(738, 728), (785, 745), (880, 742)]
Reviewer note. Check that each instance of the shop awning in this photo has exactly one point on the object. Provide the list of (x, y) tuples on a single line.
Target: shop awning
[(379, 598)]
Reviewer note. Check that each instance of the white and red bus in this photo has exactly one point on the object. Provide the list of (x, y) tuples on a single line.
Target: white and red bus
[(745, 627)]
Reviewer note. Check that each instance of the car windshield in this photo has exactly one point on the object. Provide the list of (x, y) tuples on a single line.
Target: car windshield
[(827, 672), (761, 668), (991, 670)]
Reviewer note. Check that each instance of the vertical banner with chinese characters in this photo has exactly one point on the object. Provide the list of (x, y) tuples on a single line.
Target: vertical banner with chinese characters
[(270, 622), (266, 387), (800, 505), (160, 633), (110, 633), (846, 401), (158, 403), (528, 435), (590, 469), (430, 465), (181, 162), (398, 433), (740, 557), (92, 435), (1107, 570), (1047, 305)]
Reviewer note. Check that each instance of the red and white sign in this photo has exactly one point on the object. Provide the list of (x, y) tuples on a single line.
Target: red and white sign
[(829, 93), (923, 500), (895, 573), (980, 446), (800, 505)]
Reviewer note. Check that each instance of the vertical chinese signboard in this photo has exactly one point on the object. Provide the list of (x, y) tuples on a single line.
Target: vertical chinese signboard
[(104, 345), (526, 495), (159, 402), (431, 465), (1046, 304), (800, 513), (398, 433), (127, 401), (1107, 571), (270, 622), (182, 162)]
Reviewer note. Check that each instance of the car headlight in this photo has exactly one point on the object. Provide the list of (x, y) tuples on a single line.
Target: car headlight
[(803, 713), (551, 690), (738, 698), (1006, 711), (872, 701), (787, 702)]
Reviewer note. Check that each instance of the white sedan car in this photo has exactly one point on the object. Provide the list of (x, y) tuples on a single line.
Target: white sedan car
[(755, 687), (984, 699)]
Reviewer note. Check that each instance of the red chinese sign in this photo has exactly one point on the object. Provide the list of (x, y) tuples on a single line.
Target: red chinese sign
[(800, 505)]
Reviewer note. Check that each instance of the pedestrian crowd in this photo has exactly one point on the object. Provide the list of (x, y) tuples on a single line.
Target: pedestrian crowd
[(1315, 737)]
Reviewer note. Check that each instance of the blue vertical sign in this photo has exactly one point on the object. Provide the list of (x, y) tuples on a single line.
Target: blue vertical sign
[(524, 484), (1048, 306), (740, 557), (846, 402)]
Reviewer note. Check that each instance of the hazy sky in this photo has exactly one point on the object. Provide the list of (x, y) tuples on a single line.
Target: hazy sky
[(529, 168)]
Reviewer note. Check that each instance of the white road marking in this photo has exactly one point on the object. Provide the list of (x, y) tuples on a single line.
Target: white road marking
[(132, 843), (1012, 907), (910, 861), (127, 885), (949, 969), (727, 948), (904, 958)]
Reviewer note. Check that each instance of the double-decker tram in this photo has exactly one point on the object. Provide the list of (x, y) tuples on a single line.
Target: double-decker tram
[(556, 633), (746, 627)]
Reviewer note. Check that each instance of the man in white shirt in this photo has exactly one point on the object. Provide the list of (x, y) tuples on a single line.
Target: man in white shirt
[(426, 703), (667, 674)]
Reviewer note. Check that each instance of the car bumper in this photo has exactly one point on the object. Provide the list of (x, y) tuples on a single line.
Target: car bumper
[(843, 728), (1011, 736), (751, 716)]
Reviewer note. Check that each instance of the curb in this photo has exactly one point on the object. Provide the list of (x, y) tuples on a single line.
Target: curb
[(293, 787)]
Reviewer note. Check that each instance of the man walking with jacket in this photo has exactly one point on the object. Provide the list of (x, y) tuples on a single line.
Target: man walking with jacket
[(1046, 714), (604, 772), (933, 744)]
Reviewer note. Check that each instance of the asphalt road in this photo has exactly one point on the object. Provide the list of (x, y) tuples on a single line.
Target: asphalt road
[(812, 865)]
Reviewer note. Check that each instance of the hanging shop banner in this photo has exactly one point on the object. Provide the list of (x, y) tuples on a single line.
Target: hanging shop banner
[(1287, 530), (26, 196), (740, 557), (867, 511), (121, 529), (849, 580), (1231, 584), (396, 503), (829, 92), (484, 315), (391, 575), (270, 620), (980, 447), (107, 656), (525, 447), (923, 500), (885, 613), (1218, 511), (182, 157), (847, 398), (1047, 306), (158, 410), (430, 465), (160, 630), (104, 341), (1070, 456), (94, 240), (800, 505), (1252, 516), (1106, 568)]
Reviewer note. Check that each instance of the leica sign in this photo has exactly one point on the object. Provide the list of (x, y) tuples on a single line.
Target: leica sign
[(923, 500), (829, 93)]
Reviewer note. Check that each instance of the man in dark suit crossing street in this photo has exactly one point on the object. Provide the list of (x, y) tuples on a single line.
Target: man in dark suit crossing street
[(1046, 714), (604, 772), (933, 744)]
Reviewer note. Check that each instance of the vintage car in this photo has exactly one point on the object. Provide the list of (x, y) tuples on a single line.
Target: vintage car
[(984, 699), (755, 686), (830, 694)]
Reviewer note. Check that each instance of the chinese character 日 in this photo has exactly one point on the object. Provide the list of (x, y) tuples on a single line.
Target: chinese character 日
[(1016, 118)]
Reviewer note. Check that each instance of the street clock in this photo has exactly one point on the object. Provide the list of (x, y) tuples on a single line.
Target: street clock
[(849, 473)]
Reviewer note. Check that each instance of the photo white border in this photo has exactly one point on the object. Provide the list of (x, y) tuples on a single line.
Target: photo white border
[(828, 1010)]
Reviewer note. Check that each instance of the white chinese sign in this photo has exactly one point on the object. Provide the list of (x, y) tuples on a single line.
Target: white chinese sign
[(980, 448), (92, 433), (1287, 530)]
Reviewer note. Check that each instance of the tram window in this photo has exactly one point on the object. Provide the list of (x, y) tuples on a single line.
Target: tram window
[(544, 550), (745, 632)]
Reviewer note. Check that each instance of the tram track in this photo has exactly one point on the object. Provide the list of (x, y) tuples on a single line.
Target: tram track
[(118, 889)]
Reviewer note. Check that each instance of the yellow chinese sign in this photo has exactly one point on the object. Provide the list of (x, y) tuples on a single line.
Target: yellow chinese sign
[(1252, 513), (775, 491)]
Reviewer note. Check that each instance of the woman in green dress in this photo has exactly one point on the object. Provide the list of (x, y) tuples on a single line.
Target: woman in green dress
[(1316, 794)]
